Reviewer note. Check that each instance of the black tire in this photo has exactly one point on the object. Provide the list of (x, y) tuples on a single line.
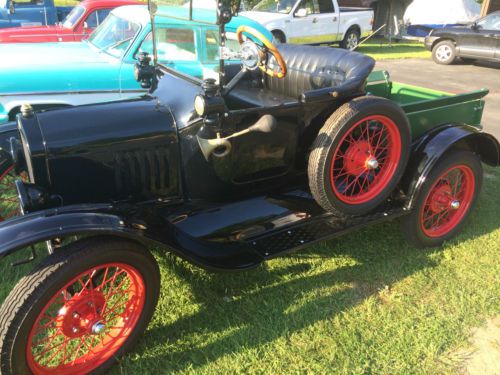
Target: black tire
[(330, 141), (444, 53), (351, 39), (413, 225), (278, 37), (21, 310)]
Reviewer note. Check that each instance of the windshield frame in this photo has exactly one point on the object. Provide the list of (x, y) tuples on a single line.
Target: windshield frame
[(133, 39)]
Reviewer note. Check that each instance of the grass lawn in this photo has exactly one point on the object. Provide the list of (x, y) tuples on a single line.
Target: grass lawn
[(380, 49), (365, 303)]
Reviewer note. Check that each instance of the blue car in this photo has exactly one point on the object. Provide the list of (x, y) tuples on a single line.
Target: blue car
[(30, 13), (101, 69)]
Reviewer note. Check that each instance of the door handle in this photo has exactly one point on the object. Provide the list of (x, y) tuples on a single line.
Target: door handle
[(315, 20), (335, 19)]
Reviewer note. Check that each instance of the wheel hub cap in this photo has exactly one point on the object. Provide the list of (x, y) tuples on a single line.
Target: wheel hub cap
[(455, 205), (358, 158), (81, 315), (98, 328)]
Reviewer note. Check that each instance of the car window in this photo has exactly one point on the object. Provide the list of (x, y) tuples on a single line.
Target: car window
[(212, 44), (97, 17), (283, 6), (102, 14), (73, 17), (114, 35), (172, 44), (311, 6), (28, 2), (91, 20), (326, 6), (491, 22)]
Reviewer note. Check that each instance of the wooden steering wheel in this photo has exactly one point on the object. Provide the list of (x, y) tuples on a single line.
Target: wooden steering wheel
[(269, 46)]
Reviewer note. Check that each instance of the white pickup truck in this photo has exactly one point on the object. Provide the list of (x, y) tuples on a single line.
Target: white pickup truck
[(313, 21)]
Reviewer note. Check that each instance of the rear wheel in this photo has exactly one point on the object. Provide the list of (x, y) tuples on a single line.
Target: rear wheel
[(359, 156), (444, 52), (351, 39), (445, 200), (79, 310)]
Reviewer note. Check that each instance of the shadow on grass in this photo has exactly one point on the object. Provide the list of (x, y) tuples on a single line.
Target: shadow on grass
[(238, 312)]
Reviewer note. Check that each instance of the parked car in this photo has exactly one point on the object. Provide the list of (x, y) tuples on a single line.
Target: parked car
[(281, 152), (478, 41), (31, 13), (77, 25), (312, 22), (102, 67)]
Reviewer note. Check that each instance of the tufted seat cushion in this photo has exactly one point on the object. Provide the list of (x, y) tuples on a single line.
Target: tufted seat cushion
[(315, 68), (313, 74)]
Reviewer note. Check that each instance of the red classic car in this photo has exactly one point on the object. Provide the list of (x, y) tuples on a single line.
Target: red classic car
[(79, 23)]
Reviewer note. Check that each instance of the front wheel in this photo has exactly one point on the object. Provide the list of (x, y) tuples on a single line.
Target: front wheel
[(445, 200), (444, 53), (79, 310)]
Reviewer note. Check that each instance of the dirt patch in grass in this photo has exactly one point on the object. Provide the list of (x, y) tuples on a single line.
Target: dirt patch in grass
[(483, 356)]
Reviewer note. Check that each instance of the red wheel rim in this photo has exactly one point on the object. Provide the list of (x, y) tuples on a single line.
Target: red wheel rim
[(86, 321), (365, 160), (448, 201), (9, 202)]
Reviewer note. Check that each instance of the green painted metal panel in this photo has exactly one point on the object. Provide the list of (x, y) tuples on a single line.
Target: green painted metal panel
[(427, 108)]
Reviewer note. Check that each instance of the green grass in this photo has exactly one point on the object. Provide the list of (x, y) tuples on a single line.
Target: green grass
[(381, 49), (365, 303)]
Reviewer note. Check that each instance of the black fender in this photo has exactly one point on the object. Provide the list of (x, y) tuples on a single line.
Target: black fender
[(7, 133), (432, 146), (146, 226)]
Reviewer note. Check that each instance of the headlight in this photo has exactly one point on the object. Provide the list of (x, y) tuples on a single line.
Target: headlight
[(206, 105), (200, 105)]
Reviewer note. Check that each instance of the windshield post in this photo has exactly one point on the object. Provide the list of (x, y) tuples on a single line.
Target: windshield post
[(152, 7)]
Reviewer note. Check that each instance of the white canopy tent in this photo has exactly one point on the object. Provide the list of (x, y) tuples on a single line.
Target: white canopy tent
[(442, 12), (3, 3)]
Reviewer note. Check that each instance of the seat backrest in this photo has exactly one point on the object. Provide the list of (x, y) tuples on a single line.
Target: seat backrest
[(311, 68)]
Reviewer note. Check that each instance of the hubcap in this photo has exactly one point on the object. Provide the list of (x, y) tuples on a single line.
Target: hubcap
[(455, 205), (443, 53), (98, 328), (372, 163)]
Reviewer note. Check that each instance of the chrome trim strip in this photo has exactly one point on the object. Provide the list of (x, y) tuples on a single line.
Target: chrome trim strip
[(72, 92)]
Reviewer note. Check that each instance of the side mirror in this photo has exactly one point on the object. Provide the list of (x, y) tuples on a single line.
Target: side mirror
[(301, 13), (12, 7), (474, 26)]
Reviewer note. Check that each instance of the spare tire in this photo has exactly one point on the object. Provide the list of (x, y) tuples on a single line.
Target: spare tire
[(359, 156)]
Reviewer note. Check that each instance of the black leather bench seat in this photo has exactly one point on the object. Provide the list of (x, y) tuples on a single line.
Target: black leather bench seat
[(312, 71)]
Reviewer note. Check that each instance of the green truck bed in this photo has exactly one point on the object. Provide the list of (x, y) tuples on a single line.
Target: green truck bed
[(426, 108)]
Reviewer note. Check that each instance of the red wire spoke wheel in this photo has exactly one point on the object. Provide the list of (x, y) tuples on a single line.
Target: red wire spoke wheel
[(84, 324), (359, 156), (445, 200), (365, 160), (448, 201), (80, 309)]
